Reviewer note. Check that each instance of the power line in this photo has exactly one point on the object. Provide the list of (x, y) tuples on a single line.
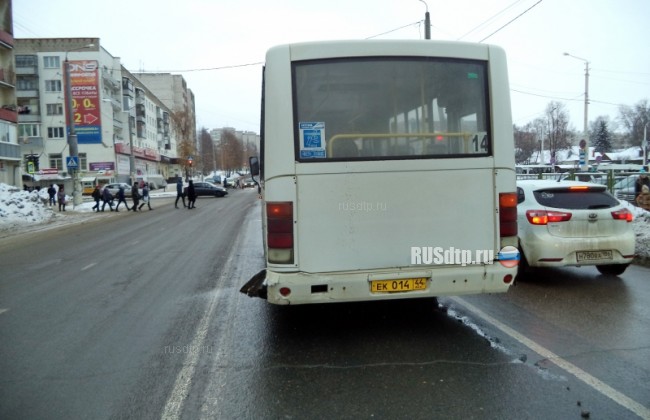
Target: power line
[(516, 17), (488, 20)]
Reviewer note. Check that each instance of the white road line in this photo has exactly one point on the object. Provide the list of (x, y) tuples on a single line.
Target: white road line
[(2, 311), (89, 266), (620, 398), (183, 382), (174, 405)]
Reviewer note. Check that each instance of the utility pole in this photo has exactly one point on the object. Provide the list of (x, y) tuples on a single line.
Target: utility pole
[(427, 22), (585, 142), (72, 136)]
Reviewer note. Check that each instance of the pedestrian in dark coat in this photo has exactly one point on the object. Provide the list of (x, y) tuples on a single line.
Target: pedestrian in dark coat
[(52, 193), (191, 195), (145, 197), (179, 192), (96, 195), (107, 197), (135, 196), (121, 198)]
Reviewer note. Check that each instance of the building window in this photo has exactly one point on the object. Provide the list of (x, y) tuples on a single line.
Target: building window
[(28, 130), (83, 161), (53, 86), (54, 109), (26, 83), (52, 62), (25, 60), (55, 133), (56, 161)]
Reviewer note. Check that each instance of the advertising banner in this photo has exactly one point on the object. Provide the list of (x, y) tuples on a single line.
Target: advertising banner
[(84, 85)]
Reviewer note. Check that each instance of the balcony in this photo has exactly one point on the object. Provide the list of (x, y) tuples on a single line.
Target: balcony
[(31, 143), (27, 71), (27, 93), (8, 114)]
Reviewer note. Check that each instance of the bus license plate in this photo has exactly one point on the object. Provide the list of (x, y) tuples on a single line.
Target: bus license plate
[(395, 286), (593, 255)]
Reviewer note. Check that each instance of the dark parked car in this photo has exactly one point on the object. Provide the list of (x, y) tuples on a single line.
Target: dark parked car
[(113, 188), (208, 188)]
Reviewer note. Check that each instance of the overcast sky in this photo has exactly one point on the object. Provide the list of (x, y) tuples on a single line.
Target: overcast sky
[(201, 39)]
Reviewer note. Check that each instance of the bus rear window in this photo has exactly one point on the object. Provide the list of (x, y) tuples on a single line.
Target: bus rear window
[(390, 108)]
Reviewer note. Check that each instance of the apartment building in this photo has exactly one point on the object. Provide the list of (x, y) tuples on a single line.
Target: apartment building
[(9, 149), (123, 129)]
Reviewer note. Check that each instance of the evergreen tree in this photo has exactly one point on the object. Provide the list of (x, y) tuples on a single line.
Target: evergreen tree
[(601, 138)]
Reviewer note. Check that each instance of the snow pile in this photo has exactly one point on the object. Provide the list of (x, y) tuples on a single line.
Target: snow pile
[(22, 207)]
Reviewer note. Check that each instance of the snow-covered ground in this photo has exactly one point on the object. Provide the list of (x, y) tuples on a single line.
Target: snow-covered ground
[(22, 210)]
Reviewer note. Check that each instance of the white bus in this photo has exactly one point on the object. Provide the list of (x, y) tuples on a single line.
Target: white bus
[(386, 172)]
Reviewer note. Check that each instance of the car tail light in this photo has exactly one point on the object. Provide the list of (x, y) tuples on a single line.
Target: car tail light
[(543, 217), (279, 228), (508, 214), (623, 214)]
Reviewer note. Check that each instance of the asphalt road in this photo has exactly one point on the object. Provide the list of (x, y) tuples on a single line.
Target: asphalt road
[(139, 316)]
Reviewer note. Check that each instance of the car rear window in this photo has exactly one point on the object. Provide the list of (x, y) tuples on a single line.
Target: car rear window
[(576, 200)]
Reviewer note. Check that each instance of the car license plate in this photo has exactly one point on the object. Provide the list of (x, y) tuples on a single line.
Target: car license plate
[(593, 255), (398, 285)]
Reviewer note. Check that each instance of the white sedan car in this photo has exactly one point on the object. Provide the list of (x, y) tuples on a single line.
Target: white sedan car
[(571, 223)]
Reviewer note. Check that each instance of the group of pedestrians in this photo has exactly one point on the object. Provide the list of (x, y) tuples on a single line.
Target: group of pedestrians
[(56, 196), (188, 192), (108, 198)]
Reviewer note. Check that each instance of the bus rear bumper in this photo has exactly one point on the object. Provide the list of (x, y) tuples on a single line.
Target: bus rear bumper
[(305, 288)]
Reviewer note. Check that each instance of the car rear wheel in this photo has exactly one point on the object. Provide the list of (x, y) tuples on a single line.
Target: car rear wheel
[(612, 269)]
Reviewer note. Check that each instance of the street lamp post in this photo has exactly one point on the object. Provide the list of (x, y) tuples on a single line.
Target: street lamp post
[(645, 146), (131, 155), (585, 166), (427, 22), (72, 136)]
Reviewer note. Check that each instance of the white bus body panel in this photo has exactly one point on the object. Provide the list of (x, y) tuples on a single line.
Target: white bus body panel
[(355, 221)]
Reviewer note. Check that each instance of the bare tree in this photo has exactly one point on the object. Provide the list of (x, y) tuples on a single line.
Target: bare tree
[(525, 143), (186, 147), (560, 136), (634, 120), (208, 155), (231, 152)]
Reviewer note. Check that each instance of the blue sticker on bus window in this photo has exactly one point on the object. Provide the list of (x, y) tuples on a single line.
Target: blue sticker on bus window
[(312, 140)]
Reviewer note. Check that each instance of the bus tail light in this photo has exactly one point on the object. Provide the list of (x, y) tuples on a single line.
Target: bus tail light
[(279, 228), (508, 214)]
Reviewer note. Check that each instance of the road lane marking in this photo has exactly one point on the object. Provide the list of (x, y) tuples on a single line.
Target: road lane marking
[(620, 398), (89, 266), (183, 384)]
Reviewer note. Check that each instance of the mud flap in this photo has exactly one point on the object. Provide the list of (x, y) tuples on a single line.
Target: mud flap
[(256, 286)]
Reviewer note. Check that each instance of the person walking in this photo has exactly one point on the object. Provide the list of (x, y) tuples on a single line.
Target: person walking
[(121, 198), (61, 199), (640, 182), (145, 197), (135, 196), (191, 195), (96, 195), (107, 197), (51, 192), (179, 191)]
